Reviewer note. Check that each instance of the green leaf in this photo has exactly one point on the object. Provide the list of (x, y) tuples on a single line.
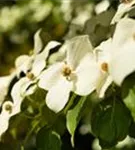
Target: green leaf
[(48, 116), (106, 145), (73, 117), (128, 93), (98, 27), (48, 140), (110, 122), (132, 130), (60, 125)]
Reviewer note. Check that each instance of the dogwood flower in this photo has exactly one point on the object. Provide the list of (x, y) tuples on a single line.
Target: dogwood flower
[(125, 6), (78, 72), (5, 116), (102, 53), (122, 61), (9, 109), (32, 66), (119, 54)]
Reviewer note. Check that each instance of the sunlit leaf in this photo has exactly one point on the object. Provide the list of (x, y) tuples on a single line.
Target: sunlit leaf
[(128, 93), (73, 117)]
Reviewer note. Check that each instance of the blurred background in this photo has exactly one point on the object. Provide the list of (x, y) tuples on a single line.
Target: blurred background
[(60, 19)]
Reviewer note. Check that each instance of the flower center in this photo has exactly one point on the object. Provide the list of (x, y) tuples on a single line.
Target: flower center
[(104, 66), (8, 108), (66, 71), (30, 75)]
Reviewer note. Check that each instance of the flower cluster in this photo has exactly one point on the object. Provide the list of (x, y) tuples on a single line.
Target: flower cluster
[(81, 70)]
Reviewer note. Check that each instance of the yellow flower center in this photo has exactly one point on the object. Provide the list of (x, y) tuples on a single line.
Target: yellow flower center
[(104, 66), (8, 108), (66, 71), (30, 75)]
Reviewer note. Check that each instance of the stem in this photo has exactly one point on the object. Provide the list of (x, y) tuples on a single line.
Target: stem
[(30, 132)]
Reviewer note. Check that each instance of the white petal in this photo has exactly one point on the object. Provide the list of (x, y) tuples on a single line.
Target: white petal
[(87, 74), (51, 45), (122, 63), (103, 84), (77, 48), (30, 88), (38, 65), (122, 9), (4, 122), (40, 59), (20, 60), (58, 95), (23, 63), (103, 51), (4, 117), (18, 92), (103, 55), (4, 87), (50, 76), (124, 33), (38, 43)]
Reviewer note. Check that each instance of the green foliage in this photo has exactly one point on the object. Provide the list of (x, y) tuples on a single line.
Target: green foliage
[(73, 117), (128, 93), (110, 122), (98, 27), (48, 140)]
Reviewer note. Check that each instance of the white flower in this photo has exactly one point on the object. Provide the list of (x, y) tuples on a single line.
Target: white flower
[(4, 86), (32, 66), (119, 54), (102, 53), (9, 109), (6, 113), (124, 7), (37, 61), (77, 73), (122, 61)]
